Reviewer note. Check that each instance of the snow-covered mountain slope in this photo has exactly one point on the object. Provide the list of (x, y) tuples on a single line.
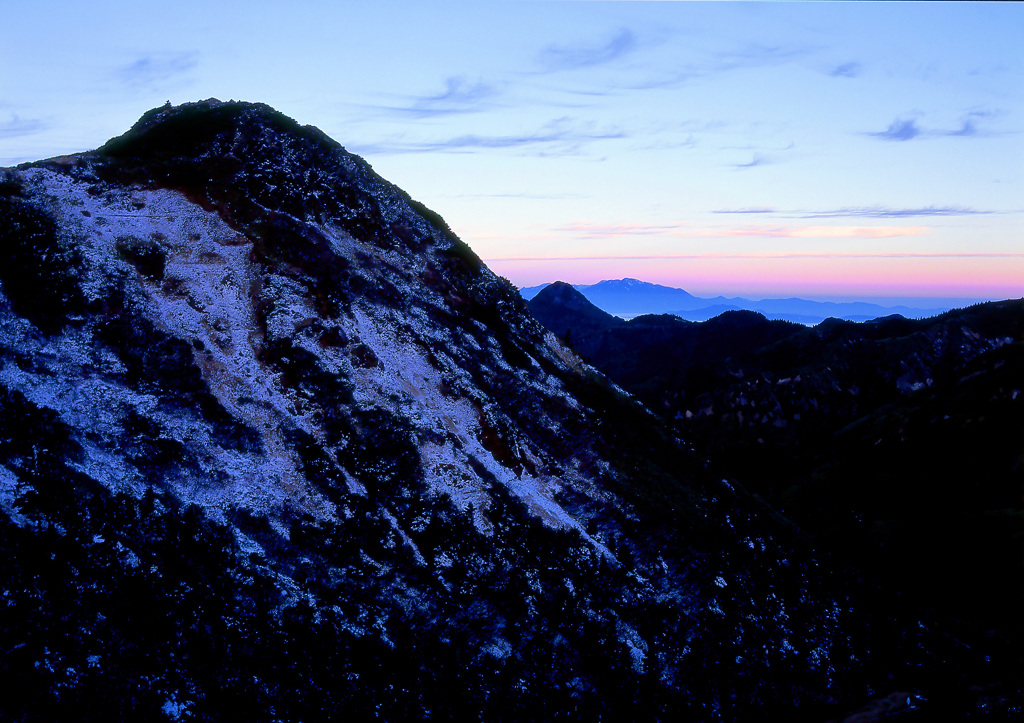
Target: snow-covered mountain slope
[(231, 350)]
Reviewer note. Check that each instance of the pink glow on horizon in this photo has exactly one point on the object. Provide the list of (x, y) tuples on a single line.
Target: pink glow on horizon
[(767, 256), (991, 276), (854, 231), (588, 230)]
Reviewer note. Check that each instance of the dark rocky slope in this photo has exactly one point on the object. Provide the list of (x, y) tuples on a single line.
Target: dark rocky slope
[(571, 316), (898, 445), (652, 350), (277, 446)]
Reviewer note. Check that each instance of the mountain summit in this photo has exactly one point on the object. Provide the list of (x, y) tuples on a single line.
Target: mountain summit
[(276, 445), (568, 313)]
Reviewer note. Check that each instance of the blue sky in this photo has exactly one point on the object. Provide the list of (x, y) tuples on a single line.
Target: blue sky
[(758, 149)]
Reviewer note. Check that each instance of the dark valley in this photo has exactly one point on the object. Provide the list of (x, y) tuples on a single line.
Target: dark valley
[(897, 445)]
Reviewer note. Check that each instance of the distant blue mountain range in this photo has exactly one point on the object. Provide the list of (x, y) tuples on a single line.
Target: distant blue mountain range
[(630, 297)]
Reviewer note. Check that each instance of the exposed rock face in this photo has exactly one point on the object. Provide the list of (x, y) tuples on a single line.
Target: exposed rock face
[(256, 390)]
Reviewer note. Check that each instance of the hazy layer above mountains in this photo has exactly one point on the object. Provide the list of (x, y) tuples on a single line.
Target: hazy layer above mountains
[(630, 297)]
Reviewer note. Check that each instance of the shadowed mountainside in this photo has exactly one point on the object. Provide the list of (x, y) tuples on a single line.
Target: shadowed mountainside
[(630, 297), (897, 444)]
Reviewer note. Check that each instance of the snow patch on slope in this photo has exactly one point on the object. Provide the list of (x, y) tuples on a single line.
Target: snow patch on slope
[(205, 298), (409, 382), (214, 296)]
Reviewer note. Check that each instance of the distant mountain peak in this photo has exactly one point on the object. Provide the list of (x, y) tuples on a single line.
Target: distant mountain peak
[(187, 127), (566, 294), (630, 297), (631, 284)]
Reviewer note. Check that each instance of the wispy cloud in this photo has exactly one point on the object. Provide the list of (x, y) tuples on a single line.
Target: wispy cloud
[(967, 128), (18, 126), (570, 57), (905, 130), (647, 143), (969, 124), (866, 212), (460, 95), (847, 70), (882, 212), (758, 209), (587, 230), (530, 196), (810, 255), (899, 130), (746, 57), (758, 159), (832, 231), (562, 136), (158, 69), (759, 155), (758, 55), (594, 230)]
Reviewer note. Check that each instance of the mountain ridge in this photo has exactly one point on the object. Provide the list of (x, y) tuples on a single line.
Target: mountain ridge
[(894, 443), (277, 445), (631, 297)]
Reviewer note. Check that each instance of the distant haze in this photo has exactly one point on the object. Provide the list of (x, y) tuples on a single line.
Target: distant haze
[(632, 297), (861, 280)]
